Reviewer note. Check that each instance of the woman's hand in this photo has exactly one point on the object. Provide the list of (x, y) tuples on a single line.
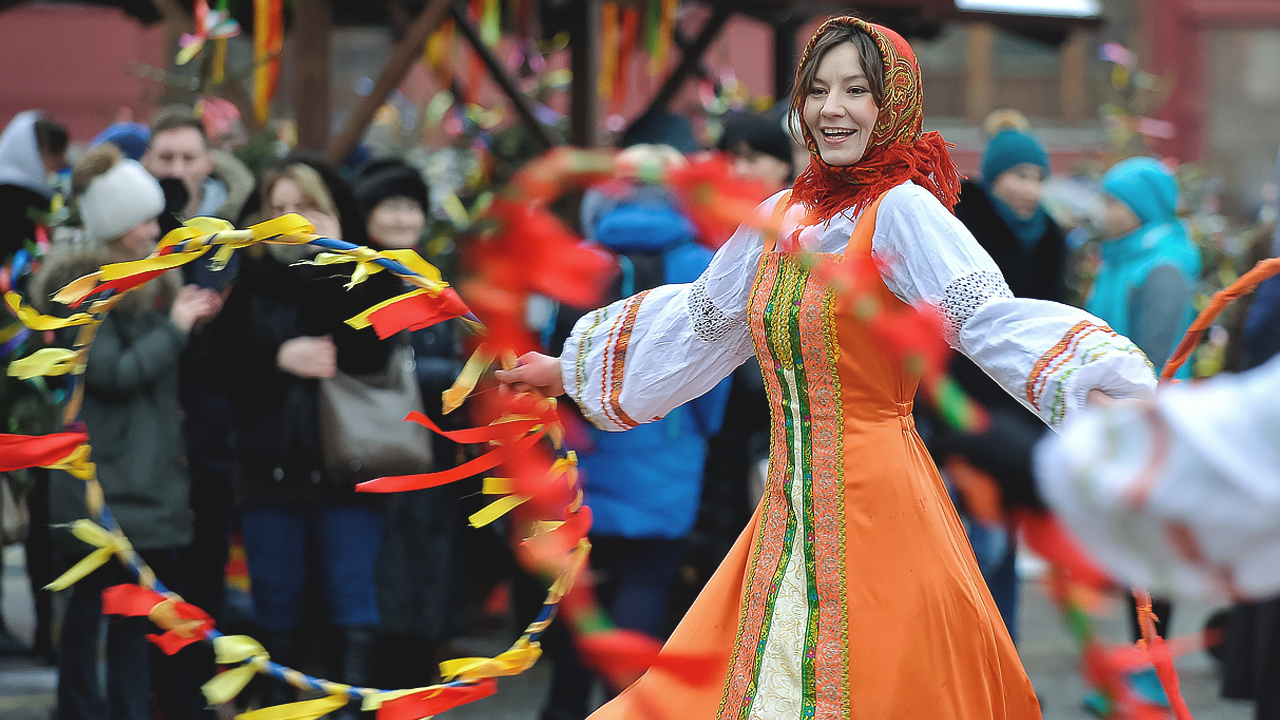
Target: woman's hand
[(1097, 398), (308, 357), (192, 306), (534, 372)]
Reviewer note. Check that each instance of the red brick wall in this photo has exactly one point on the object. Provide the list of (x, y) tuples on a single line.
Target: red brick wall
[(72, 61)]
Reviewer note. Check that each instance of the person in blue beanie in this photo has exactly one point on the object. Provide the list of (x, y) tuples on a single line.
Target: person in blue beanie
[(1004, 212), (131, 137), (643, 485), (1146, 283)]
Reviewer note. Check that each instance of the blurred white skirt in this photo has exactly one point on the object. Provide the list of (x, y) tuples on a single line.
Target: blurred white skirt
[(1180, 496)]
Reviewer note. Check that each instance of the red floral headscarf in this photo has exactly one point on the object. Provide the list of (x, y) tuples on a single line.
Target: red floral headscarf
[(897, 151)]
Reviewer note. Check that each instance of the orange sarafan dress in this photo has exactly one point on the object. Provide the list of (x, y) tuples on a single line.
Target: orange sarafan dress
[(854, 592)]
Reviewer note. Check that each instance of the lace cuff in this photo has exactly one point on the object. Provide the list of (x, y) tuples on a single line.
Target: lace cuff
[(965, 296)]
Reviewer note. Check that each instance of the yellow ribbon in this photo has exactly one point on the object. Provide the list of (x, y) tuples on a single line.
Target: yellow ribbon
[(76, 290), (496, 509), (479, 361), (498, 486), (47, 362), (377, 700), (116, 271), (522, 655), (304, 710), (225, 686), (77, 463), (564, 582), (108, 544), (32, 318), (229, 650), (232, 649), (289, 228), (414, 262)]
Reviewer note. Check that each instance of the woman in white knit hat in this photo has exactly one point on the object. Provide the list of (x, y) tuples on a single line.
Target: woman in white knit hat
[(135, 426)]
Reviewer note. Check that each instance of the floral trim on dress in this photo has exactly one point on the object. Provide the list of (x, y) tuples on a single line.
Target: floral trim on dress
[(795, 587), (615, 362)]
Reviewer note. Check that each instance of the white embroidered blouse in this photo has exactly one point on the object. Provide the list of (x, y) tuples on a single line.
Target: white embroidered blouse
[(643, 356)]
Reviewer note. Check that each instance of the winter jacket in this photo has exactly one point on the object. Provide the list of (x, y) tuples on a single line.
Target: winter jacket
[(422, 526), (276, 431), (1035, 272), (1144, 288), (133, 418), (24, 184), (646, 482)]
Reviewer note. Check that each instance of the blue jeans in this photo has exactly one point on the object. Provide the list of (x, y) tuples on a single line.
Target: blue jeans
[(997, 552), (130, 674), (276, 544), (633, 579)]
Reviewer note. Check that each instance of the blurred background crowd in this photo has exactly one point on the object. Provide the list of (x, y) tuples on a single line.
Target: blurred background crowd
[(1092, 181)]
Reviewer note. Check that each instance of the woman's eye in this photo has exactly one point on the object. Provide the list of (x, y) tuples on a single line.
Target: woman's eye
[(857, 90), (816, 91)]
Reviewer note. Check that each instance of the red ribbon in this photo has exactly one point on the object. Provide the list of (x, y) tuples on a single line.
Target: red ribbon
[(25, 451), (417, 312), (1048, 539), (137, 601), (426, 703), (488, 461)]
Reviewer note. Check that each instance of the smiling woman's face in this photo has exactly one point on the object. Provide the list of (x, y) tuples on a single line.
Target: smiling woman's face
[(839, 109)]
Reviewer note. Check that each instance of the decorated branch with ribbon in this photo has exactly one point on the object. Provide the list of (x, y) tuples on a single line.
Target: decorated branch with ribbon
[(429, 300)]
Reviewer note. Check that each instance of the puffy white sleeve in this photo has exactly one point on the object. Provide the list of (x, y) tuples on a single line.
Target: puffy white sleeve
[(1181, 495), (639, 358), (1047, 355)]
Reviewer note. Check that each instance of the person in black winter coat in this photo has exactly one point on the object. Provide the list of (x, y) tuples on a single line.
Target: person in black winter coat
[(32, 147), (418, 610), (1003, 211), (281, 332)]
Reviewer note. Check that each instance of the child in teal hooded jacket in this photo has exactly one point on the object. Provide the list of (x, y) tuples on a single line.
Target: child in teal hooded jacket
[(1146, 284)]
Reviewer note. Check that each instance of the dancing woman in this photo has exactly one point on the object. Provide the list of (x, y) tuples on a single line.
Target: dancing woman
[(853, 592)]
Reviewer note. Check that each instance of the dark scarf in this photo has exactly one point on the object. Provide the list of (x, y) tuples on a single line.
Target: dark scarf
[(1030, 230)]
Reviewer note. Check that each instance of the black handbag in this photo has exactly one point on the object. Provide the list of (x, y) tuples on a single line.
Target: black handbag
[(362, 428)]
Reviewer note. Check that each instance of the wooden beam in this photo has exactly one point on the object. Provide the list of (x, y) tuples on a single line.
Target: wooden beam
[(584, 46), (403, 56), (1075, 54), (785, 57), (690, 59), (312, 107), (979, 73), (502, 78)]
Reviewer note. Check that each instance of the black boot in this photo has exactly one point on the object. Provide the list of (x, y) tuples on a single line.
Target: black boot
[(351, 651)]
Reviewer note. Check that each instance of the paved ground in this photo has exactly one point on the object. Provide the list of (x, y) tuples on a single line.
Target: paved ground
[(27, 691)]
